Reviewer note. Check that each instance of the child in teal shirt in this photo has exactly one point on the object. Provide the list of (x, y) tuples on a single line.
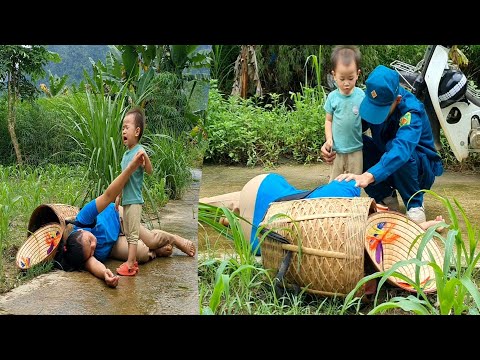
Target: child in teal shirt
[(132, 198), (343, 126)]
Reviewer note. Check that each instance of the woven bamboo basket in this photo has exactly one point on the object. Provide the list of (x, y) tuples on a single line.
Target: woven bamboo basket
[(332, 233), (56, 213), (389, 236), (40, 246)]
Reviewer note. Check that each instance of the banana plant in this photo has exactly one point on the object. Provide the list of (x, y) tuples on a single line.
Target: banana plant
[(57, 85), (188, 58)]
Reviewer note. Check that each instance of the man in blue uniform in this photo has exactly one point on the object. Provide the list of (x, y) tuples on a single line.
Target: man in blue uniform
[(401, 154)]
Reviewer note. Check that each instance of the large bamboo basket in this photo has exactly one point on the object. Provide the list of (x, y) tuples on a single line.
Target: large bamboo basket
[(332, 233), (56, 213), (389, 239)]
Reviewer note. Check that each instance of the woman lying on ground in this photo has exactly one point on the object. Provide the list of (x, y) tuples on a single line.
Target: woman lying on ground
[(253, 200), (97, 235)]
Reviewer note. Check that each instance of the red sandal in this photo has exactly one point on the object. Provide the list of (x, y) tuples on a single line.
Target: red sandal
[(124, 270)]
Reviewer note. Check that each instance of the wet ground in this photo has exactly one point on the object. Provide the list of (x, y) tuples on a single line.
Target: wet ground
[(216, 180), (163, 286)]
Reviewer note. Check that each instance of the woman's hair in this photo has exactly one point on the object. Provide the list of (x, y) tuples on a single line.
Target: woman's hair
[(70, 255)]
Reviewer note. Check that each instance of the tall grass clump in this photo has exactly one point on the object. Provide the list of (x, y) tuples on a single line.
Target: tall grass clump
[(235, 280), (457, 293), (93, 123), (24, 188), (8, 200), (171, 161), (223, 61)]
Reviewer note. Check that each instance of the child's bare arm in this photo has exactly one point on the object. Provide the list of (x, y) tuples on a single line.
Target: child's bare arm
[(115, 188), (328, 131), (148, 165)]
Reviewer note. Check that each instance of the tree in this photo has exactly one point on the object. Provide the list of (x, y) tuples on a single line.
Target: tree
[(246, 72), (20, 66)]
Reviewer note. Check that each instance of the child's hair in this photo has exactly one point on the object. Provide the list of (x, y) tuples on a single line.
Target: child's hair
[(70, 255), (138, 118), (346, 54)]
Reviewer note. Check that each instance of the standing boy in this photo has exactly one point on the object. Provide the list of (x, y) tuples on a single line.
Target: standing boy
[(132, 199), (343, 126)]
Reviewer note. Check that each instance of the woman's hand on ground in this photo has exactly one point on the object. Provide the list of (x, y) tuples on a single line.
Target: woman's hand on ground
[(110, 279)]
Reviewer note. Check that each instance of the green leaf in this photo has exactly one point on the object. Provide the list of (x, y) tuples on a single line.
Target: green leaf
[(206, 310), (130, 61), (448, 296), (472, 289), (410, 303)]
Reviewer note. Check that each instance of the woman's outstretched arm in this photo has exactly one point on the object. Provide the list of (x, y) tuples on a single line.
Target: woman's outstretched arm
[(117, 185), (98, 269)]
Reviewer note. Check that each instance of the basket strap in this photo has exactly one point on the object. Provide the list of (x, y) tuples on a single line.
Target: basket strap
[(81, 225), (274, 236), (298, 196), (278, 280)]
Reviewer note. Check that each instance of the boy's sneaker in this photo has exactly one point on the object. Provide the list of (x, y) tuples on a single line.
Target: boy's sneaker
[(391, 202), (417, 214)]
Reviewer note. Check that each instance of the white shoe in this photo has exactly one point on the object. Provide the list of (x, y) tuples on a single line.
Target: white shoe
[(417, 214)]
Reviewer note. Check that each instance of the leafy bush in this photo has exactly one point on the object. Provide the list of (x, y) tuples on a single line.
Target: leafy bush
[(40, 138), (241, 132), (167, 106), (171, 161)]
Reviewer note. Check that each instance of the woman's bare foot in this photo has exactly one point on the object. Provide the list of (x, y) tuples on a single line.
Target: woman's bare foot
[(164, 251), (224, 221), (185, 245), (425, 225)]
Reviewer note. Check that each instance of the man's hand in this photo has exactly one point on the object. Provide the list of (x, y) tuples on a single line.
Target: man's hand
[(362, 180), (117, 202), (328, 154), (110, 279)]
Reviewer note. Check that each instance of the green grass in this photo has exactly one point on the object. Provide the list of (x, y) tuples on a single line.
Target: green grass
[(93, 123), (171, 161), (21, 191), (242, 132)]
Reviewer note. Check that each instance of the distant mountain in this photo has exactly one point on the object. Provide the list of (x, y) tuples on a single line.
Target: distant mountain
[(74, 60)]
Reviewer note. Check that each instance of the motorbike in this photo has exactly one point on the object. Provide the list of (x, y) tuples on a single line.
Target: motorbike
[(451, 102)]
